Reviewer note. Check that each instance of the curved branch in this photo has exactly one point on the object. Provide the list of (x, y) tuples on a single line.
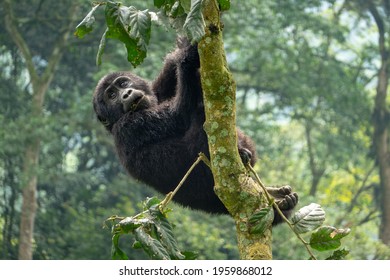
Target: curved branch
[(16, 36)]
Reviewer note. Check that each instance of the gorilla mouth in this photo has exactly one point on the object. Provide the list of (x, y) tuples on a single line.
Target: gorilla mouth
[(136, 103)]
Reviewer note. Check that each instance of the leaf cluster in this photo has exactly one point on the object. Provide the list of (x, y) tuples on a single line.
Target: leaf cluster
[(152, 231), (133, 27), (306, 219)]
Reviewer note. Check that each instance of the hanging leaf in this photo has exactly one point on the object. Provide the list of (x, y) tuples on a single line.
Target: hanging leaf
[(194, 24), (151, 245), (86, 25), (165, 234), (308, 218), (261, 220), (116, 252), (101, 49), (327, 238)]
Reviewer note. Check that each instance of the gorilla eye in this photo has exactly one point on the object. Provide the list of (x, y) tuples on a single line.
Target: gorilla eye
[(111, 94), (123, 84)]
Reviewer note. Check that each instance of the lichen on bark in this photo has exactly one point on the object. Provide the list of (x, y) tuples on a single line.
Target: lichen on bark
[(240, 194)]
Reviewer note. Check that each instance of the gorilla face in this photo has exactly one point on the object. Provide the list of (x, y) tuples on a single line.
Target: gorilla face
[(121, 93)]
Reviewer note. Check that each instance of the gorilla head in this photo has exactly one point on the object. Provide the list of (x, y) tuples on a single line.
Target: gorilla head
[(119, 93)]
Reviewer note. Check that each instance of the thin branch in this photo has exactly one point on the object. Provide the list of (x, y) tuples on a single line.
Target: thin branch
[(13, 30), (363, 187), (368, 217), (56, 53), (168, 198)]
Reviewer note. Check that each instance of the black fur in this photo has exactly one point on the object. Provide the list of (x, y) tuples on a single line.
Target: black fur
[(159, 133)]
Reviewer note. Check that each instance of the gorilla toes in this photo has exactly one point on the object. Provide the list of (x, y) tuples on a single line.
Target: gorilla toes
[(245, 154), (285, 190), (285, 198), (288, 202)]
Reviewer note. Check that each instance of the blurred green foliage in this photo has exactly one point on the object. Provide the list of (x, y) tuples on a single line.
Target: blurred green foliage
[(304, 73)]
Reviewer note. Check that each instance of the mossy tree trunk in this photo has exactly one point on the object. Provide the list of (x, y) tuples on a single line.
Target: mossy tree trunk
[(240, 194)]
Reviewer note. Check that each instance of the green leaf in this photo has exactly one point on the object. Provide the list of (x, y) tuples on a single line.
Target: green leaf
[(167, 238), (338, 255), (186, 4), (116, 252), (86, 25), (102, 47), (190, 255), (308, 218), (130, 26), (177, 10), (129, 224), (224, 4), (165, 233), (159, 3), (151, 245), (151, 201), (194, 24), (327, 238), (261, 220), (137, 245)]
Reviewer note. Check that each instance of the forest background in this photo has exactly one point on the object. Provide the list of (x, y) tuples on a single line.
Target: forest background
[(307, 75)]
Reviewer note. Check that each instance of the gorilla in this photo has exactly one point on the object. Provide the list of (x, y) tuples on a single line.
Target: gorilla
[(158, 130)]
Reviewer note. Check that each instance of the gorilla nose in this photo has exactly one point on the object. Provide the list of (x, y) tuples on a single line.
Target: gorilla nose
[(126, 94), (131, 99)]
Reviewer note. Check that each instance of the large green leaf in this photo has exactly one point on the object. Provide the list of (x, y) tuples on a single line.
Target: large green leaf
[(165, 234), (151, 245), (130, 26), (327, 238), (194, 24)]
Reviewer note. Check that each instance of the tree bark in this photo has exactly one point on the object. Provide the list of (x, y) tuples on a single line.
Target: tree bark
[(381, 117), (40, 84), (240, 194), (381, 143)]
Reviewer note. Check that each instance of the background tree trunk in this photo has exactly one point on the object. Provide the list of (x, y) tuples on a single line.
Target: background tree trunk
[(40, 85), (381, 125)]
